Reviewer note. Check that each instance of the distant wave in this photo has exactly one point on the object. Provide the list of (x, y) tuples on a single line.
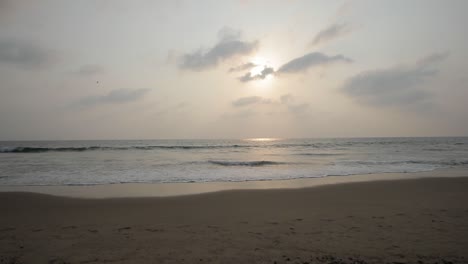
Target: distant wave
[(95, 148), (318, 154), (39, 149), (44, 149), (437, 149), (167, 147), (245, 163), (303, 145), (429, 162)]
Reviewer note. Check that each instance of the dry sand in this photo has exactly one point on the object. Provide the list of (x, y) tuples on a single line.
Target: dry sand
[(399, 221)]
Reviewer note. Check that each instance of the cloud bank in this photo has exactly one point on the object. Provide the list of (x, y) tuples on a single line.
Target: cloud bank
[(297, 65), (262, 75), (396, 86), (228, 46), (24, 55), (250, 100), (286, 100), (243, 67), (310, 60)]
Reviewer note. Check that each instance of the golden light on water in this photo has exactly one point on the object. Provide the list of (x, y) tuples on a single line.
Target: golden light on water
[(262, 139)]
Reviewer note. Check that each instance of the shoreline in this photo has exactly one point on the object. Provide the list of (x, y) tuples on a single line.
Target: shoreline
[(128, 190), (388, 221)]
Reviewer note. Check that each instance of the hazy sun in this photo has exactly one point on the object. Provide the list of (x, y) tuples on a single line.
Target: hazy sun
[(261, 64), (257, 70)]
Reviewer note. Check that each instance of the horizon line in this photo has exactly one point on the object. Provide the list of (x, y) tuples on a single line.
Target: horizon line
[(245, 138)]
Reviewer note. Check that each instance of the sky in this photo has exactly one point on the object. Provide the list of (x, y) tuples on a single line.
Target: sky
[(114, 69)]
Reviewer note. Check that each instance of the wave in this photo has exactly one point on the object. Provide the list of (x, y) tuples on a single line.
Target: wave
[(44, 149), (318, 154), (437, 149), (403, 162), (246, 163), (166, 147), (40, 149), (96, 148), (324, 147)]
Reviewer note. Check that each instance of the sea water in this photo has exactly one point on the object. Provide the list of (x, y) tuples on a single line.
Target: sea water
[(157, 161)]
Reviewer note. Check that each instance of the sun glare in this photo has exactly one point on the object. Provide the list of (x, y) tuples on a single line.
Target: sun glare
[(257, 70), (260, 65), (261, 139)]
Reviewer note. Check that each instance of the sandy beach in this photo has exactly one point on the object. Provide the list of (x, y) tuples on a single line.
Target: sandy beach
[(396, 221), (233, 132)]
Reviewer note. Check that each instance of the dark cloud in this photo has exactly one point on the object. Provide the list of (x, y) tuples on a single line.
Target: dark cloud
[(24, 55), (90, 69), (118, 96), (395, 86), (228, 46), (332, 32), (243, 67), (250, 100), (262, 75), (297, 65), (311, 60)]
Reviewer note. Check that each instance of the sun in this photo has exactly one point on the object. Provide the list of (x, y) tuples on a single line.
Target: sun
[(257, 70), (261, 64)]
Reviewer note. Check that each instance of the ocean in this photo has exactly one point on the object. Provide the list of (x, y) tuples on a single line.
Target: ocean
[(172, 161)]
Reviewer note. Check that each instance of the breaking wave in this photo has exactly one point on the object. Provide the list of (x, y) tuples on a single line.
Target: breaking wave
[(246, 163)]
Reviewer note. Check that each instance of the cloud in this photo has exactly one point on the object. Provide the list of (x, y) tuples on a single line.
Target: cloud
[(24, 55), (431, 59), (243, 67), (396, 86), (228, 46), (117, 96), (247, 77), (311, 60), (286, 101), (297, 65), (90, 69), (250, 100), (293, 107), (331, 32)]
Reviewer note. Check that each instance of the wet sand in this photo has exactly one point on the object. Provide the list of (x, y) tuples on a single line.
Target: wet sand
[(397, 221), (128, 190)]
